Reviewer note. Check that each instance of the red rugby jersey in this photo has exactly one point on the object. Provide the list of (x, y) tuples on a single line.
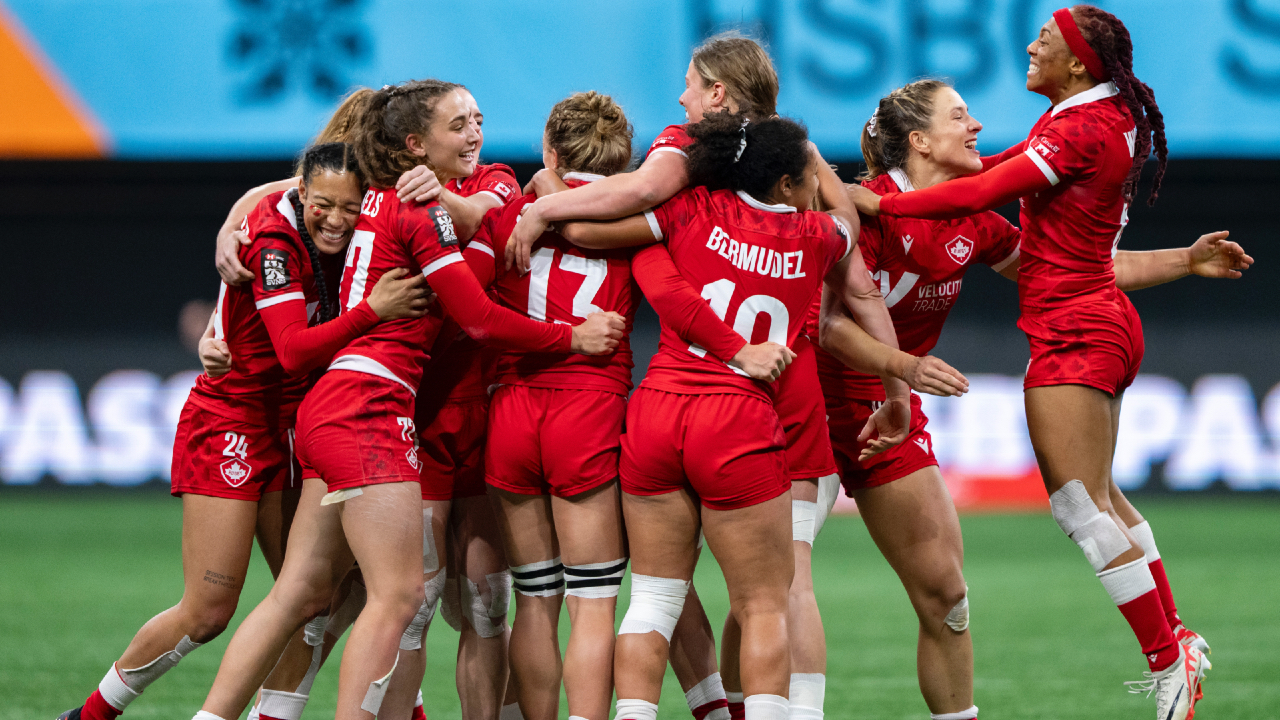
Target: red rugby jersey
[(460, 369), (673, 138), (564, 285), (759, 267), (1084, 146), (257, 389), (919, 265)]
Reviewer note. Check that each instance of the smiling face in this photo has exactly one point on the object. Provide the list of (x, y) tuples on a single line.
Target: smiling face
[(477, 118), (451, 146), (330, 207), (951, 141), (1051, 59)]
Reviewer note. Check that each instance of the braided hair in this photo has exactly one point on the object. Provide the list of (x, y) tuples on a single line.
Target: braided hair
[(1109, 38), (388, 117), (728, 151), (334, 157)]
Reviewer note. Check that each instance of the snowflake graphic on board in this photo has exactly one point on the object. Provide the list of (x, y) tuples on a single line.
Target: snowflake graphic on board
[(286, 45)]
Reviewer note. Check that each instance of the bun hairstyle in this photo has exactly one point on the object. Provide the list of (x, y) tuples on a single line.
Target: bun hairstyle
[(745, 69), (886, 137), (387, 117), (589, 133), (731, 152), (1109, 38), (334, 157)]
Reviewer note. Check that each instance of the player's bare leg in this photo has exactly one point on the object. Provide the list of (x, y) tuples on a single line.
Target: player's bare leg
[(693, 659), (411, 665), (589, 527), (914, 523), (317, 559), (662, 532), (1073, 431), (758, 575), (481, 567), (530, 540)]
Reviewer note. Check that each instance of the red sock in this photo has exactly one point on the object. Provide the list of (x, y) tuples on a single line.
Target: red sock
[(1146, 616), (417, 713), (1166, 593), (702, 711), (97, 708), (266, 717), (738, 710)]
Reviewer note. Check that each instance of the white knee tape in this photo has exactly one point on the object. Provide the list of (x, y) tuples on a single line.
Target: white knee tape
[(313, 632), (958, 618), (123, 686), (412, 638), (656, 603), (1093, 530), (372, 702), (804, 516), (828, 493), (430, 558), (282, 705), (595, 580), (540, 579), (450, 604), (488, 619)]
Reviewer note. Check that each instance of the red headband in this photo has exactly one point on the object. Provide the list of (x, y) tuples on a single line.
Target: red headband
[(1071, 33)]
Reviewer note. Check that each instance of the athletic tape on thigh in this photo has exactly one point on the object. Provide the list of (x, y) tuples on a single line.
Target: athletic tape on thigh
[(595, 580), (1094, 531), (372, 702), (958, 618), (282, 705), (451, 604), (488, 619), (123, 686), (828, 493), (412, 638), (313, 632), (430, 558), (656, 603), (346, 614), (804, 515), (539, 579), (338, 496)]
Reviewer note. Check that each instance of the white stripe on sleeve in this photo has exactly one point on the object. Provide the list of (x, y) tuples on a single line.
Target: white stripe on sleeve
[(1044, 166), (268, 302), (1009, 260), (474, 245), (653, 224), (667, 148), (449, 259)]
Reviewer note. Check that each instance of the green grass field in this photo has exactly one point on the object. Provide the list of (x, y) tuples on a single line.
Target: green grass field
[(79, 575)]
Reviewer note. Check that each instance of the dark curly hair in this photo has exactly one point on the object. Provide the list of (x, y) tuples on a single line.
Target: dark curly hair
[(1109, 38), (335, 157), (774, 147)]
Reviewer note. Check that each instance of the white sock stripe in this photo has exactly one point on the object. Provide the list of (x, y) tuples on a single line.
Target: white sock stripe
[(709, 690), (202, 715), (763, 706), (114, 690), (282, 705), (1146, 539), (539, 579), (970, 714), (1128, 582), (636, 710)]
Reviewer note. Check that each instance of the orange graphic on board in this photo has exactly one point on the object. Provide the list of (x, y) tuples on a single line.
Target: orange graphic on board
[(40, 115)]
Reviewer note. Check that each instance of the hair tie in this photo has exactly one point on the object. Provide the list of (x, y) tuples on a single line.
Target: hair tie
[(742, 141), (1075, 40), (871, 124)]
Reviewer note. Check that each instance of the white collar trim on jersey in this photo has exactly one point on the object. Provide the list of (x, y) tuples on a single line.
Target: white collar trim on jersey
[(764, 206), (285, 208), (1101, 91), (584, 177), (901, 180)]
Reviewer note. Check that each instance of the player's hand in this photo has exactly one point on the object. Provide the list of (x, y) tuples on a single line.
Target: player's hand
[(227, 257), (418, 185), (396, 296), (867, 202), (930, 375), (529, 227), (599, 334), (545, 182), (1213, 256), (886, 427), (765, 361), (215, 356)]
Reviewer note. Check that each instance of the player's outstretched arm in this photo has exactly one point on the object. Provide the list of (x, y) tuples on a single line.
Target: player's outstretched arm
[(1211, 256), (961, 197), (226, 257), (661, 176)]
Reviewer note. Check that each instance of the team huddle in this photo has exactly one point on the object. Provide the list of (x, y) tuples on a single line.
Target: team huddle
[(418, 392)]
